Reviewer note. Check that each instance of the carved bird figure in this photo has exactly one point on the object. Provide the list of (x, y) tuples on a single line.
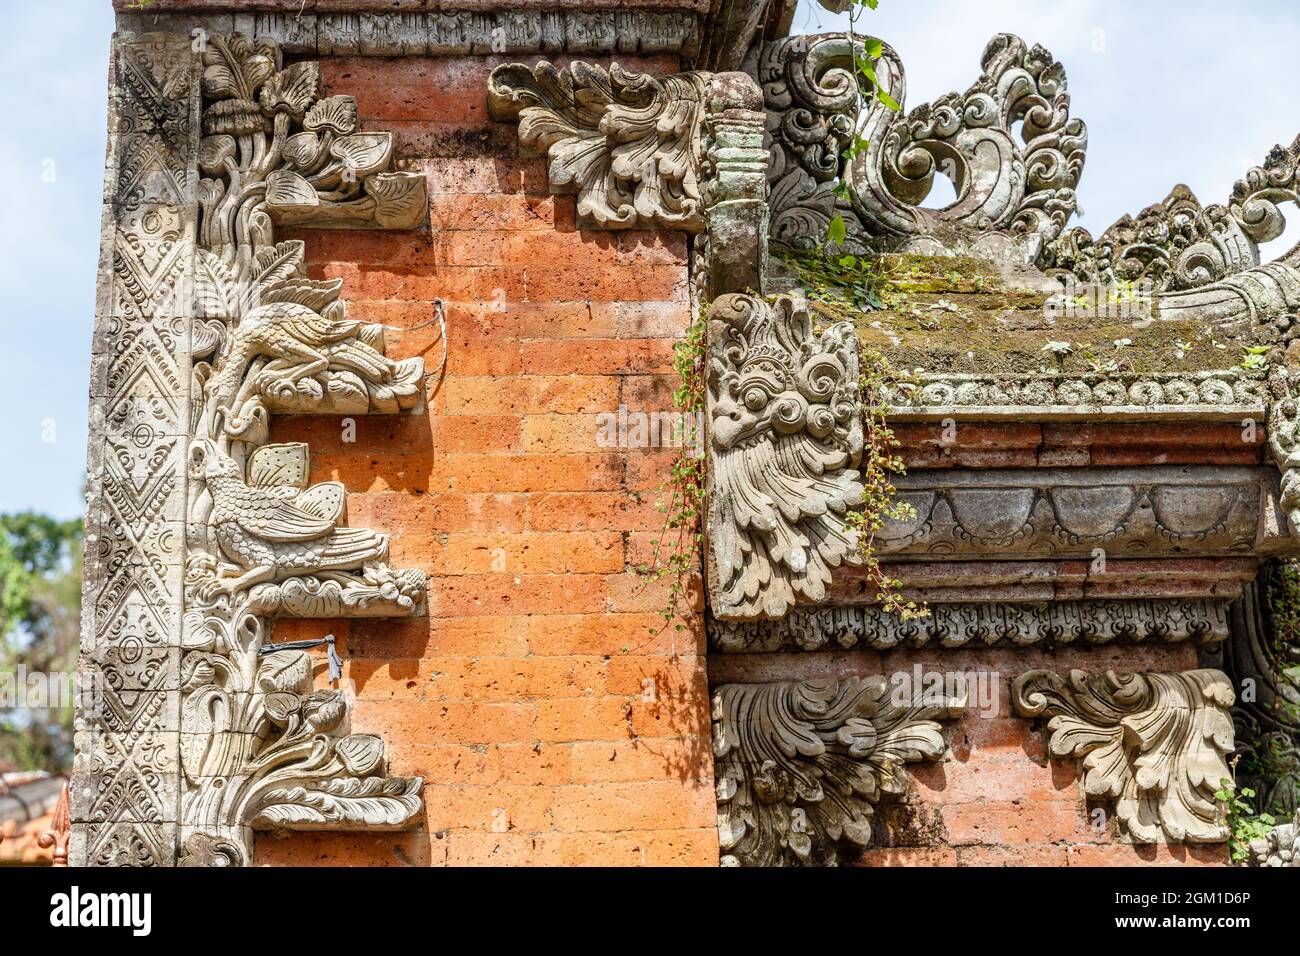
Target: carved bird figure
[(299, 343), (271, 531)]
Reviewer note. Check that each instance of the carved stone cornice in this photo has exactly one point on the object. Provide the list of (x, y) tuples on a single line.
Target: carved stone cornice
[(784, 435), (199, 533), (1152, 743), (340, 32), (998, 624), (1230, 395), (800, 765), (1068, 512)]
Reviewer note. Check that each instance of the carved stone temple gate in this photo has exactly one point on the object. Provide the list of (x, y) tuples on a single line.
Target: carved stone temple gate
[(356, 560)]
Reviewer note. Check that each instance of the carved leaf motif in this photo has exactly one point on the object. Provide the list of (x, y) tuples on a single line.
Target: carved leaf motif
[(374, 802), (627, 143), (800, 765), (1154, 743)]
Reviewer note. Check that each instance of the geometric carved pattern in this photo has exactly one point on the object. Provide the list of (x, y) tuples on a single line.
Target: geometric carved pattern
[(124, 790)]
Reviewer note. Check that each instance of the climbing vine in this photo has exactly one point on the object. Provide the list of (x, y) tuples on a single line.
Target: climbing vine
[(1244, 824), (681, 497)]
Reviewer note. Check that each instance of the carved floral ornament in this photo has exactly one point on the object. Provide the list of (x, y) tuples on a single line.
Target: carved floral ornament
[(800, 765), (1152, 743), (262, 746)]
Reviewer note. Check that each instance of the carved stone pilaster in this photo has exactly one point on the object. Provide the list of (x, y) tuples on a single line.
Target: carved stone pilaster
[(199, 533), (784, 429), (800, 765), (735, 189), (125, 781), (1153, 743)]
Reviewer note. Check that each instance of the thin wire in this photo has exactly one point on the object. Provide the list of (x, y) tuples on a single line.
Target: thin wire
[(439, 316)]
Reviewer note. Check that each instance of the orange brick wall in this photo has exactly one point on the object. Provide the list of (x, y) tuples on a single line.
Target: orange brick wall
[(550, 725)]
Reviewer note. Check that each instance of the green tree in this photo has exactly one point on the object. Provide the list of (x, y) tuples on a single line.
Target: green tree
[(40, 604)]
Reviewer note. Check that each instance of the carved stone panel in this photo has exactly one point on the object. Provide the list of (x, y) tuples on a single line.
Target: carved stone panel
[(199, 533)]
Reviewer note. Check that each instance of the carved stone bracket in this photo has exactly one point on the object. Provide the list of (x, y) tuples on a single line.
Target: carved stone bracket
[(631, 146), (784, 435), (208, 327), (1153, 743), (801, 765)]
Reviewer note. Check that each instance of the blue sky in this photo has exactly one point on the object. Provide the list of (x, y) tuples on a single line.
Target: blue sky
[(1185, 91)]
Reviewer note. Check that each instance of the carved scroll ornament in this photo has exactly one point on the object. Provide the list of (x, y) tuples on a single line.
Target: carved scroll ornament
[(261, 748), (785, 435), (800, 765), (1020, 185), (1153, 743)]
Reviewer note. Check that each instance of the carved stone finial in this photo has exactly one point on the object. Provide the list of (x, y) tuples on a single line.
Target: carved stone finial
[(1154, 743), (1024, 188), (1011, 188), (800, 765), (784, 426)]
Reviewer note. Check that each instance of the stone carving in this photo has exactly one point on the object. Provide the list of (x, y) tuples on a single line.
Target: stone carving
[(800, 765), (979, 625), (1153, 743), (1281, 847), (124, 783), (209, 732), (811, 94), (1069, 511), (1017, 190), (1263, 656), (626, 143), (1025, 189), (735, 188), (444, 33), (1230, 395), (784, 422), (1204, 260), (275, 149)]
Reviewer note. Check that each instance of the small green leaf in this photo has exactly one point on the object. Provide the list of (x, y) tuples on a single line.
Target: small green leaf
[(837, 231)]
